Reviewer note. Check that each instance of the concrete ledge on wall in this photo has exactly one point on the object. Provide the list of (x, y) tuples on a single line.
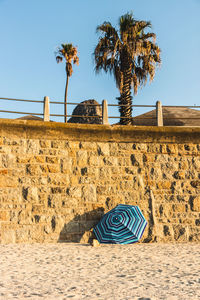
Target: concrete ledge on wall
[(91, 132)]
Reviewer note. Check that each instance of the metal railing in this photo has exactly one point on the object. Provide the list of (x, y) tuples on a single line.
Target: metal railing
[(104, 117), (19, 112)]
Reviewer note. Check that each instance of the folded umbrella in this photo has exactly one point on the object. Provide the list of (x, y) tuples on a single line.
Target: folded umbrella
[(124, 224)]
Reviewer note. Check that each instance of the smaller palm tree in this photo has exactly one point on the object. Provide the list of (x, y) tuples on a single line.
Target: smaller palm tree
[(69, 53)]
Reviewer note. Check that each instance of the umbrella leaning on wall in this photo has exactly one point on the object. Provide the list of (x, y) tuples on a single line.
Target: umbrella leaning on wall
[(124, 224)]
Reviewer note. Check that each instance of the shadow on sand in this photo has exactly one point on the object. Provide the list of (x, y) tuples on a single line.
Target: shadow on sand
[(80, 228)]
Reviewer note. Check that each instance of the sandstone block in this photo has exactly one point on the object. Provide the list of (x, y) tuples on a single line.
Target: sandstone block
[(30, 194), (7, 181), (75, 145), (196, 163), (74, 180), (179, 175), (71, 227), (42, 180), (136, 160), (81, 157), (45, 144), (87, 145), (32, 146), (63, 152), (180, 233), (93, 161), (110, 161), (7, 160), (197, 222), (47, 151), (196, 204), (54, 201), (58, 179), (8, 236), (95, 243), (38, 159), (57, 190), (66, 165), (47, 229), (3, 171), (32, 169), (25, 217), (52, 159), (164, 184), (172, 148), (38, 208), (74, 191), (57, 144), (4, 216), (86, 237), (23, 159), (53, 168), (125, 146), (89, 193), (124, 161), (103, 149), (152, 148), (194, 234), (104, 173), (178, 208), (195, 184)]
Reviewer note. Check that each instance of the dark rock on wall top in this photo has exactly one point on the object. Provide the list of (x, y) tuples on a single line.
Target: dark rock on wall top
[(87, 110)]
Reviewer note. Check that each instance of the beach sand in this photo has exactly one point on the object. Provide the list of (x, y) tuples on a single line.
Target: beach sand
[(75, 271)]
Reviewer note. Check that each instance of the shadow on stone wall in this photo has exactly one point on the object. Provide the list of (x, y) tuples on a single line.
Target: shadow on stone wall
[(79, 229)]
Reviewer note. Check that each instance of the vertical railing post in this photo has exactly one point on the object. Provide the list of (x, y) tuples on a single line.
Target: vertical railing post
[(46, 109), (105, 112), (159, 114)]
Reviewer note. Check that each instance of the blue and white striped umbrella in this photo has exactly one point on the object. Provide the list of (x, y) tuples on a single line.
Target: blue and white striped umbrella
[(124, 224)]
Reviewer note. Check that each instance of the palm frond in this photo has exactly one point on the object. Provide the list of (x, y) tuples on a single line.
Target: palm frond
[(107, 30), (126, 22), (59, 59)]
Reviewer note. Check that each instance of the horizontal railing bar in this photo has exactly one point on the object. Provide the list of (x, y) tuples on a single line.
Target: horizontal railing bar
[(75, 116), (73, 103), (132, 105), (181, 106), (24, 100), (85, 104), (164, 118), (132, 118), (175, 118), (55, 102), (153, 118), (181, 118), (21, 113)]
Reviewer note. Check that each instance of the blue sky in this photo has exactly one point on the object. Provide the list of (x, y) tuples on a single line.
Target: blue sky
[(31, 31)]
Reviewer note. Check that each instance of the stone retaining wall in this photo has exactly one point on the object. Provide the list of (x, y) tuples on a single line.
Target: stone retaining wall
[(57, 180)]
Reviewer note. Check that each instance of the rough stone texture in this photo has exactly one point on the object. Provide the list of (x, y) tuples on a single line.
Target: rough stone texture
[(57, 180), (92, 111)]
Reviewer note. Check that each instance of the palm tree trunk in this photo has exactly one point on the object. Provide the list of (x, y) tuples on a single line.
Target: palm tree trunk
[(65, 104), (125, 99)]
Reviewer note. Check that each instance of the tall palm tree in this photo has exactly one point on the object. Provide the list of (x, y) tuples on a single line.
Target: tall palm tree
[(131, 54), (69, 53)]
